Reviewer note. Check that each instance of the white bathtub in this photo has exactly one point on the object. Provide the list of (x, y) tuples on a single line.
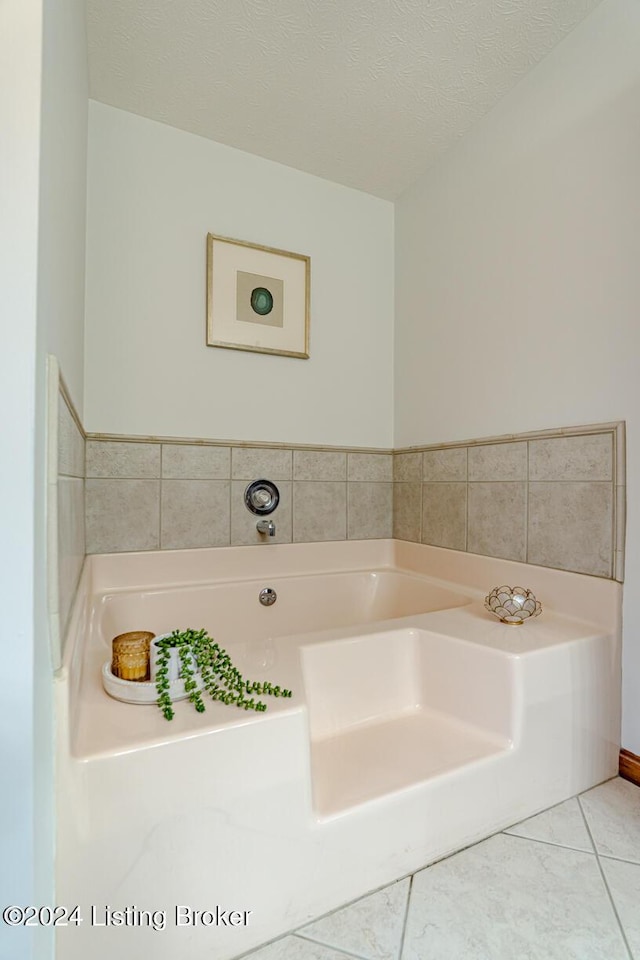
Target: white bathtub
[(418, 725)]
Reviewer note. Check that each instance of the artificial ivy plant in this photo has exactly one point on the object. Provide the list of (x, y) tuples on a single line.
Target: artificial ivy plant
[(198, 652)]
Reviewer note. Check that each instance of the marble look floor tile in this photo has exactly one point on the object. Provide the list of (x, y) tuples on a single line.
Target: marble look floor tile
[(612, 811), (512, 899), (563, 825), (295, 948), (371, 927), (624, 883)]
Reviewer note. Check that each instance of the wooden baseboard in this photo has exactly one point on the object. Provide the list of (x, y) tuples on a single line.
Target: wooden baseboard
[(630, 766)]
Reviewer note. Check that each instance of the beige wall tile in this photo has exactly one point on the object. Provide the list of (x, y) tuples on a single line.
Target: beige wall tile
[(572, 458), (447, 465), (195, 513), (319, 511), (570, 526), (498, 461), (258, 463), (243, 522), (370, 466), (498, 519), (444, 513), (414, 510), (71, 542), (118, 459), (369, 511), (407, 511), (70, 443), (407, 466), (195, 462), (319, 465), (122, 515)]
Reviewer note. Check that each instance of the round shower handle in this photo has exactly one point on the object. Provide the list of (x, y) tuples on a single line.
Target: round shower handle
[(261, 497)]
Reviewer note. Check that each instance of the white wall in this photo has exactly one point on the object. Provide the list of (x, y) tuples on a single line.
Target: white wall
[(43, 78), (20, 74), (518, 277), (154, 193), (63, 167), (61, 265)]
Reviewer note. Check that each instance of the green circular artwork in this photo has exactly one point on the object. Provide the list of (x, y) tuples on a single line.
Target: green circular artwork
[(261, 301)]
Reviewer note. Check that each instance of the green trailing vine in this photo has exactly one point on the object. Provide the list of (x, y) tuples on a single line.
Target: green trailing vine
[(199, 653)]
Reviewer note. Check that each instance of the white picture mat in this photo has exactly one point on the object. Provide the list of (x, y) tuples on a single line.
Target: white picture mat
[(227, 259)]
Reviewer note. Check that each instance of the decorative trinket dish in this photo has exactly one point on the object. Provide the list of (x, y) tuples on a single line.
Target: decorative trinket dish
[(139, 691), (512, 605)]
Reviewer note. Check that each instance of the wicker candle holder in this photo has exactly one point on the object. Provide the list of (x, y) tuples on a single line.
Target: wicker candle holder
[(130, 660)]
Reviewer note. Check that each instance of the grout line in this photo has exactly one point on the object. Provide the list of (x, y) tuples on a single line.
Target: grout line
[(346, 505), (466, 514), (406, 918), (604, 880), (330, 946), (588, 828), (548, 843), (293, 511), (608, 856)]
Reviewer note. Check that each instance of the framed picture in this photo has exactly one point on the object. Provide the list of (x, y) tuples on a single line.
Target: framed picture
[(257, 298)]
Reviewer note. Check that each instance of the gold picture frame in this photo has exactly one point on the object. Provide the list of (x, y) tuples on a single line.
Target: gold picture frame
[(258, 298)]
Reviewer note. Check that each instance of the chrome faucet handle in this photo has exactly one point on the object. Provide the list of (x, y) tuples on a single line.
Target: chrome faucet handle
[(266, 526)]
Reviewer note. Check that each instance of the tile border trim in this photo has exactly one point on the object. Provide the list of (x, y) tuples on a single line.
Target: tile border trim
[(616, 427), (53, 393), (66, 395), (262, 444)]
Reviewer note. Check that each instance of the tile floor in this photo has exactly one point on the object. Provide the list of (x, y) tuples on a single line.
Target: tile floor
[(563, 885)]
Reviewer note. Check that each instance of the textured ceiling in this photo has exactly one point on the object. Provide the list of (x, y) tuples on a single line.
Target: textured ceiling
[(363, 92)]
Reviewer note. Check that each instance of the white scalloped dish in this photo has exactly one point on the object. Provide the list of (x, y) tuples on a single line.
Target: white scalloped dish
[(139, 691)]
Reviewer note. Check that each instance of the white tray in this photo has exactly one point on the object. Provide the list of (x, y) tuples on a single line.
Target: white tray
[(140, 691)]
